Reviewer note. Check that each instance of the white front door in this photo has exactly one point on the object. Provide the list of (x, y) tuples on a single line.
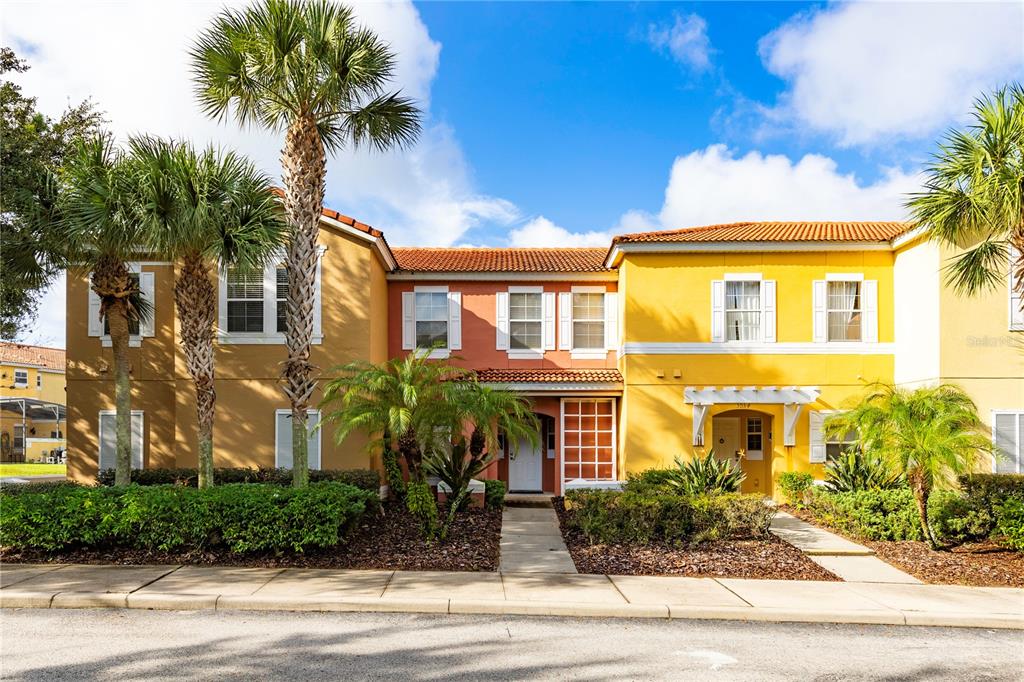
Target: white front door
[(524, 470), (726, 434)]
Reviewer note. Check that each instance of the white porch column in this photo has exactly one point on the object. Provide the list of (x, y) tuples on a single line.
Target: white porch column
[(700, 413)]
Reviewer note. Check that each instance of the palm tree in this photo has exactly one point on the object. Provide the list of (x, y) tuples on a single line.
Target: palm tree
[(402, 403), (930, 435), (305, 68), (95, 217), (974, 194), (204, 209)]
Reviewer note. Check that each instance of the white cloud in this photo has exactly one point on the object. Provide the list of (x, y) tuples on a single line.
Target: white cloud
[(864, 72), (540, 232), (132, 60), (686, 40), (714, 186)]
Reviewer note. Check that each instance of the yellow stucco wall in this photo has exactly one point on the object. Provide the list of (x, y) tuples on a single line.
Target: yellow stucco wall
[(354, 318), (52, 389)]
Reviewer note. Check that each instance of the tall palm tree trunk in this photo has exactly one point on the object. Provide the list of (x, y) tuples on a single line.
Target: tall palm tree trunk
[(304, 167), (196, 300), (112, 282)]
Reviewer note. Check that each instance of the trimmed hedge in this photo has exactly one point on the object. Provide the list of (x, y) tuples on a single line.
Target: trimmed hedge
[(494, 493), (243, 518), (629, 517), (365, 479), (869, 514)]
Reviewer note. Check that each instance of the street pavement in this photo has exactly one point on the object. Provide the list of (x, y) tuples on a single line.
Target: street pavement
[(109, 644)]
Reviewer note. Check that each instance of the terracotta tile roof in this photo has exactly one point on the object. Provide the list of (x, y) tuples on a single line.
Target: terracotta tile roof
[(37, 356), (549, 376), (500, 260), (776, 232)]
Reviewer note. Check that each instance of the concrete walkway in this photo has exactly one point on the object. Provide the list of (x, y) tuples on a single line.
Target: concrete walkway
[(531, 542), (227, 588), (846, 559)]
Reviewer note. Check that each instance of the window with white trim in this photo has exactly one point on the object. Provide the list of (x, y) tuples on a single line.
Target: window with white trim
[(742, 310), (245, 300), (431, 319), (588, 320), (1008, 437), (845, 311), (137, 329), (108, 438), (836, 446), (588, 439), (253, 303), (1016, 299), (39, 379), (525, 321), (21, 378), (283, 439)]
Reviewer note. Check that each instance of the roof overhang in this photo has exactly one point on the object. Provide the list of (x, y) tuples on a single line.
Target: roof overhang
[(416, 275), (617, 251), (550, 388), (751, 395), (381, 247), (34, 409)]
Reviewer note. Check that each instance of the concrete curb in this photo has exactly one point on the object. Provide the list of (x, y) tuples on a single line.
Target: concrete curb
[(13, 598)]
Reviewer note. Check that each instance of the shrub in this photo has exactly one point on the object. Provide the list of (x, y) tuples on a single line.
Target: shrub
[(240, 518), (869, 514), (35, 487), (1009, 527), (365, 479), (420, 501), (393, 474), (854, 471), (650, 480), (795, 485), (494, 493), (611, 516), (956, 518), (706, 475), (992, 489)]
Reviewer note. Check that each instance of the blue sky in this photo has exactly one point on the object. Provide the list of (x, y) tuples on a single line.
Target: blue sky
[(566, 123)]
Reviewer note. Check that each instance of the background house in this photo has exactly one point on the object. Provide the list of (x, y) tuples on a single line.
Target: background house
[(32, 402)]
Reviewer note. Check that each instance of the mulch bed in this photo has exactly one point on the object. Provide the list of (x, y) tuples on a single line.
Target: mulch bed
[(766, 559), (979, 564), (389, 541)]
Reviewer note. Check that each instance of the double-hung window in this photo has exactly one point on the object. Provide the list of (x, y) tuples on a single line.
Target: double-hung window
[(588, 321), (525, 321), (254, 303), (825, 448), (39, 379), (244, 300), (137, 329), (587, 324), (845, 311), (21, 378), (431, 319), (742, 311), (1008, 437)]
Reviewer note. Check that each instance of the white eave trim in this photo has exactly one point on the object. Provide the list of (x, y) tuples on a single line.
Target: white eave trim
[(740, 348), (547, 387), (754, 395), (382, 250), (497, 276), (618, 250)]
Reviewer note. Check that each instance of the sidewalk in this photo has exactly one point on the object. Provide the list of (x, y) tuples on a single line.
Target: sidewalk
[(225, 588)]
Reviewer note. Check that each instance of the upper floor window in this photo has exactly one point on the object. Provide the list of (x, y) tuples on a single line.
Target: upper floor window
[(432, 320), (137, 329), (588, 321), (844, 311), (254, 303), (20, 378), (1016, 299), (245, 300), (526, 321), (39, 379), (742, 311)]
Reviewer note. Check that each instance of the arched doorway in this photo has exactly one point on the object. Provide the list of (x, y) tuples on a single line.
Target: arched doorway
[(746, 436)]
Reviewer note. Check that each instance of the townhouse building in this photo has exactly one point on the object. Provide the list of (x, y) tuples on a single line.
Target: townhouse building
[(739, 338), (32, 403)]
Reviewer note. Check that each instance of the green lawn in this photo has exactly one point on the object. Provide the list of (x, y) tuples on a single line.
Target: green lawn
[(33, 469)]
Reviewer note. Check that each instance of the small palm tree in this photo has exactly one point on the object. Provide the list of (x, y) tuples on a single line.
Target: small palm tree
[(930, 435), (303, 67), (204, 209), (98, 192), (401, 402), (974, 194)]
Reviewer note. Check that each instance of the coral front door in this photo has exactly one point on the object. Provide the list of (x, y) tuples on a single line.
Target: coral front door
[(524, 469)]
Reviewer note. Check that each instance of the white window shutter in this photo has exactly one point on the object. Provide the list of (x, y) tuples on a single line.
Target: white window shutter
[(147, 287), (768, 310), (455, 320), (501, 319), (108, 441), (317, 298), (408, 320), (819, 314), (313, 447), (95, 323), (138, 438), (565, 320), (283, 436), (1005, 435), (718, 310), (817, 437), (1016, 313), (548, 301), (222, 300), (611, 321), (869, 296)]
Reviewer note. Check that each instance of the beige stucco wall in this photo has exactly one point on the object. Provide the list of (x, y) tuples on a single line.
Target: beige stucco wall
[(354, 319)]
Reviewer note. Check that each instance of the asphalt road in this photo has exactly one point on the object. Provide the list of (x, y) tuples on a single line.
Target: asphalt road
[(174, 645)]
